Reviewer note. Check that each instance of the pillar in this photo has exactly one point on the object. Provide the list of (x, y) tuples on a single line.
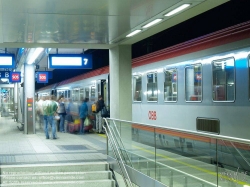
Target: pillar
[(29, 99), (120, 82)]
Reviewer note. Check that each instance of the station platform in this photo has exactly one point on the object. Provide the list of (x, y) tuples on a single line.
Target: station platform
[(19, 148)]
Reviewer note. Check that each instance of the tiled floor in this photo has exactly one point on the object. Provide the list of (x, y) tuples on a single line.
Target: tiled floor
[(16, 147)]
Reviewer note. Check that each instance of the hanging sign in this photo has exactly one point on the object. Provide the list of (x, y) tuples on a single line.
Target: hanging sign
[(15, 77), (42, 77)]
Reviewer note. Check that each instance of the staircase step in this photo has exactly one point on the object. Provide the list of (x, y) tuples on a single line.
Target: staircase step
[(96, 183), (51, 168), (47, 177)]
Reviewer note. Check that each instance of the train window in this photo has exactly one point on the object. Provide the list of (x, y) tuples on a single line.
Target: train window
[(170, 85), (152, 90), (92, 92), (68, 93), (223, 80), (87, 92), (137, 82), (81, 94), (76, 94), (65, 94), (193, 83)]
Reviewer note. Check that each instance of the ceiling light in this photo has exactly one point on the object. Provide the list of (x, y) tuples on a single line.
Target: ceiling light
[(133, 33), (180, 8), (34, 53), (152, 23)]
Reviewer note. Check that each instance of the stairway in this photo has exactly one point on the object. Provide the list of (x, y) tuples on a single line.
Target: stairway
[(89, 174)]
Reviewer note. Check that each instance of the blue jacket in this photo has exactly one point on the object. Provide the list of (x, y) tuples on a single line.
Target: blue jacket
[(83, 110)]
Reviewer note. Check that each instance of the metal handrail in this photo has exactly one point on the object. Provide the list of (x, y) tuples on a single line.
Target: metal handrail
[(122, 145), (115, 148), (208, 135)]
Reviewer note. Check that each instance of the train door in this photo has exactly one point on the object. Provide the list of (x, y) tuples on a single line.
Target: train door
[(102, 89)]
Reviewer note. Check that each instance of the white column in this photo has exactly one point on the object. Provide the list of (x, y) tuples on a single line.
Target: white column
[(120, 82), (29, 92)]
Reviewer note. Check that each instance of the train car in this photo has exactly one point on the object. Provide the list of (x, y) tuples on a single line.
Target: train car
[(198, 85), (88, 85)]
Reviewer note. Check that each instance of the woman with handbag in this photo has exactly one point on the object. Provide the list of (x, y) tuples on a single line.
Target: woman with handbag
[(83, 113)]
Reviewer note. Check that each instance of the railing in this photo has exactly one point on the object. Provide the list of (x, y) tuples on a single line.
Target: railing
[(116, 144), (175, 157)]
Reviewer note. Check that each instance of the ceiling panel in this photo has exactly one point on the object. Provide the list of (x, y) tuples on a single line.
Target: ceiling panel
[(83, 21)]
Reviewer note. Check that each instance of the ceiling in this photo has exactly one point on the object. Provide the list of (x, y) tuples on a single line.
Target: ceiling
[(72, 26)]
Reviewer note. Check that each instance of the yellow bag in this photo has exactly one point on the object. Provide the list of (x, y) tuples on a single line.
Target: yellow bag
[(77, 121), (94, 107)]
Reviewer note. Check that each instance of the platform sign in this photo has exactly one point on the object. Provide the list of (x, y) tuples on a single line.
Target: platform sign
[(70, 61), (50, 74), (15, 77), (4, 74), (7, 60), (42, 77)]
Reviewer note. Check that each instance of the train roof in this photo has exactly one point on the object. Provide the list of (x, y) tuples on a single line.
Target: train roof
[(221, 37)]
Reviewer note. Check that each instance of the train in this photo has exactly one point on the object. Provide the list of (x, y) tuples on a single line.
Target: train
[(199, 85)]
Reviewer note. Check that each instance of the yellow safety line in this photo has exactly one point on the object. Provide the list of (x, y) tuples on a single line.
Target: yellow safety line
[(103, 135), (192, 166)]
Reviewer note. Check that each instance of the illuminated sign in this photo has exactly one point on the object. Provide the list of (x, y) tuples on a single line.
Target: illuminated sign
[(70, 61), (50, 74), (4, 74), (7, 60), (42, 77), (15, 77)]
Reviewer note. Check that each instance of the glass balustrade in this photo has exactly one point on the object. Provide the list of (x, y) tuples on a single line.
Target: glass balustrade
[(179, 158)]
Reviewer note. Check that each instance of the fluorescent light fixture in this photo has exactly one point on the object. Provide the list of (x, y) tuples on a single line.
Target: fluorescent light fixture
[(151, 23), (34, 54), (66, 61), (133, 33), (178, 9)]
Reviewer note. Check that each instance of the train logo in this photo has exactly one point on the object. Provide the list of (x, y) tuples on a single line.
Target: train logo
[(15, 77), (42, 77), (152, 115)]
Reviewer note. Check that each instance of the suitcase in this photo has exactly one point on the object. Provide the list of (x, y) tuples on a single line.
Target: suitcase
[(73, 127), (87, 128)]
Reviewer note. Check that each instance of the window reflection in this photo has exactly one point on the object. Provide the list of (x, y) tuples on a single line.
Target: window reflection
[(137, 82), (170, 85), (193, 82), (223, 80), (152, 90)]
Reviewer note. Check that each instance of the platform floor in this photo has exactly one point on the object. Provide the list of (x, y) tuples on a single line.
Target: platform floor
[(17, 147)]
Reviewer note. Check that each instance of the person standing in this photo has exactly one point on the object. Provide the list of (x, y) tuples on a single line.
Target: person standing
[(40, 111), (61, 112), (49, 110), (83, 113), (100, 104)]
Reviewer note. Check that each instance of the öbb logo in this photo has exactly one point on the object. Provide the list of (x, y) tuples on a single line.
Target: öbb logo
[(15, 77), (152, 115), (42, 77)]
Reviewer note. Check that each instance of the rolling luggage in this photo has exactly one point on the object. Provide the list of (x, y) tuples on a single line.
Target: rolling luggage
[(74, 126)]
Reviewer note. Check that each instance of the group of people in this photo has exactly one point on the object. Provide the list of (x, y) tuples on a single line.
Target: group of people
[(47, 108)]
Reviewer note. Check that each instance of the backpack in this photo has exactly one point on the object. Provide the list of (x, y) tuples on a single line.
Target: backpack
[(94, 107)]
